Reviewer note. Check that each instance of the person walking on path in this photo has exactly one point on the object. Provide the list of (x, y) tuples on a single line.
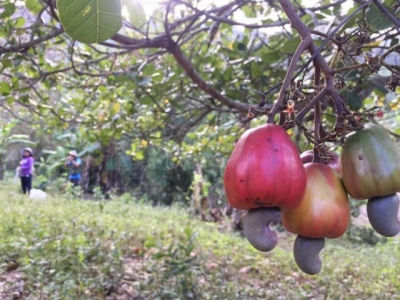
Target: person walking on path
[(25, 169), (74, 167)]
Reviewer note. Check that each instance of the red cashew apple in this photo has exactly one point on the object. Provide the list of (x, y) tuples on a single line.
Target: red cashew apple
[(264, 172), (324, 212), (308, 156)]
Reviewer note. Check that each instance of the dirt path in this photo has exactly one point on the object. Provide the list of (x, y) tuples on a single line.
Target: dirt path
[(11, 285)]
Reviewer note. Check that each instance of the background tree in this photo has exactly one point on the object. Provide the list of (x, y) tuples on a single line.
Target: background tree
[(178, 83)]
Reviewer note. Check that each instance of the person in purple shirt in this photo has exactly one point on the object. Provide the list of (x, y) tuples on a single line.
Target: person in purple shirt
[(26, 169)]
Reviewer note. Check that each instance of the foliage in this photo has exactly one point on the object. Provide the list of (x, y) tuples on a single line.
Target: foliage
[(90, 21), (8, 139), (364, 235), (98, 194), (149, 94), (168, 180), (73, 192), (187, 80), (74, 249)]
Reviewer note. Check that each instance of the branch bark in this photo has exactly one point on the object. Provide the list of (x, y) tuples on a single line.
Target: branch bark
[(27, 45), (300, 116), (133, 44), (288, 78)]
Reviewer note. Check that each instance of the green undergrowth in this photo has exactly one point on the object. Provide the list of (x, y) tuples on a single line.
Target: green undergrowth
[(79, 249)]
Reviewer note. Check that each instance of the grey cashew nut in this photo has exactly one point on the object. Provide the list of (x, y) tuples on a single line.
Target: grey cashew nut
[(257, 227), (306, 254), (382, 214)]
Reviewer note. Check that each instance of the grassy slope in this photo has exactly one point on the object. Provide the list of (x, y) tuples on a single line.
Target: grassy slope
[(87, 250)]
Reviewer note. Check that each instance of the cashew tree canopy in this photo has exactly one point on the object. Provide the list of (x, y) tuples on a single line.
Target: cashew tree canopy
[(192, 75)]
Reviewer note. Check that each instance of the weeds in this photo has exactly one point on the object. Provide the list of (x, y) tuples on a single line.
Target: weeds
[(92, 250)]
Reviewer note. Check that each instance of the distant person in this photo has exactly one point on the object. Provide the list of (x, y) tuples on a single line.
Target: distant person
[(25, 169), (74, 166)]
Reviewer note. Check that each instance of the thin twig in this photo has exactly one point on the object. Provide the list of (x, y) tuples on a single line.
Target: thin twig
[(27, 45), (327, 36), (300, 116), (288, 78), (383, 57), (314, 54), (348, 68), (317, 116), (340, 107)]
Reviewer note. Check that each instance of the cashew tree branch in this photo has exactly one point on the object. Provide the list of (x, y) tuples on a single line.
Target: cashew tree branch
[(32, 43), (288, 78), (174, 49), (341, 110)]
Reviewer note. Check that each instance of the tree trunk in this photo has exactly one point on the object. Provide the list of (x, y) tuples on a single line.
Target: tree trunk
[(199, 200), (102, 170), (1, 167), (238, 219)]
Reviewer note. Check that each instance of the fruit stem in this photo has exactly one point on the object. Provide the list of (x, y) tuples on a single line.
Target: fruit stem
[(317, 116)]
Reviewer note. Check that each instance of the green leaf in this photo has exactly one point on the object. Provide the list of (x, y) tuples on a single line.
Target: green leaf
[(150, 242), (19, 22), (389, 3), (90, 21), (270, 57), (352, 20), (6, 63), (291, 45), (139, 155), (33, 6), (248, 11), (4, 88), (137, 15), (145, 100), (8, 10), (255, 69), (353, 99), (376, 19), (148, 69)]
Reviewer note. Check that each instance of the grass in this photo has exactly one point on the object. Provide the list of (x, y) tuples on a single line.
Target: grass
[(122, 249)]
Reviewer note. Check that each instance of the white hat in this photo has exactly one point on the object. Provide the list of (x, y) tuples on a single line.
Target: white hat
[(73, 153), (28, 149)]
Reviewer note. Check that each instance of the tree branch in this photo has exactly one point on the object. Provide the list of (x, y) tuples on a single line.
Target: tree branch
[(340, 108), (300, 116), (383, 57), (182, 60), (348, 68), (27, 45), (288, 78), (133, 44)]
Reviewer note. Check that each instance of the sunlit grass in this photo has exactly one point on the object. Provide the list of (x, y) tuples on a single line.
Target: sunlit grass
[(79, 249)]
